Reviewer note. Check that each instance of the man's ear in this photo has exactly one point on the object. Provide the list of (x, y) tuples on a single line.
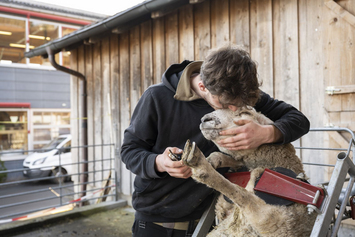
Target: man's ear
[(201, 86)]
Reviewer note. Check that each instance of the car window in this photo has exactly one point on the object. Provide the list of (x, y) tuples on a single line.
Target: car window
[(53, 144), (66, 147)]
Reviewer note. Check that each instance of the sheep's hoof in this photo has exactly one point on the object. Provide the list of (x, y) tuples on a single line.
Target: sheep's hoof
[(191, 154)]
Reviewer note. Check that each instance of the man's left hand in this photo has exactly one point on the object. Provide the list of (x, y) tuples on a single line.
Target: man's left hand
[(249, 135)]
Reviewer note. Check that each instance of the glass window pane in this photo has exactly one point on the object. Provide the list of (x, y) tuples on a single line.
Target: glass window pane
[(62, 118), (12, 40), (66, 55), (66, 59), (46, 118), (42, 134), (13, 130), (66, 30), (41, 33), (37, 118)]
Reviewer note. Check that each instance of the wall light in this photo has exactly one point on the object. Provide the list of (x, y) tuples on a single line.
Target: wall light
[(39, 37), (5, 33), (21, 46)]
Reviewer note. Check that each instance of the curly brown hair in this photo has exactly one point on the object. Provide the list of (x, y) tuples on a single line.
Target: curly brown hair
[(229, 73)]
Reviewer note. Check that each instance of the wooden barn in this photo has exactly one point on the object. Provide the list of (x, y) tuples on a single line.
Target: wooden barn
[(304, 50)]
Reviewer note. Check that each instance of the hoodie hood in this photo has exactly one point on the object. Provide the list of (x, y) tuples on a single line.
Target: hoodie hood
[(177, 79)]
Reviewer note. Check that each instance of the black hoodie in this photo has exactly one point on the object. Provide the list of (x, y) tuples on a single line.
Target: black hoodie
[(160, 121)]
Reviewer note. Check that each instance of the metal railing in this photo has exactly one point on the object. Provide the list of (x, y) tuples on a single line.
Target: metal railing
[(61, 186), (336, 207)]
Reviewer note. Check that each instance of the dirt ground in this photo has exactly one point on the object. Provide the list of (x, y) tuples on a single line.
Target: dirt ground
[(115, 222)]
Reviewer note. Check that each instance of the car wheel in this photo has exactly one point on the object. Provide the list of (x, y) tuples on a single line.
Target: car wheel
[(56, 175)]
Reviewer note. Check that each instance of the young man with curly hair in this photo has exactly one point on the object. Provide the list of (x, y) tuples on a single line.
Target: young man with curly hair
[(167, 201)]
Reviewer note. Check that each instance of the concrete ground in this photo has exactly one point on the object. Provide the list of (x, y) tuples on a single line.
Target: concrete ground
[(104, 220)]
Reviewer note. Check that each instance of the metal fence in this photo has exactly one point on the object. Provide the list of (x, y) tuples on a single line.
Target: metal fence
[(339, 203), (29, 190), (31, 197)]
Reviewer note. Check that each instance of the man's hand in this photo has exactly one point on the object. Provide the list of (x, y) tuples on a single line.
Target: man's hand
[(174, 168), (249, 135)]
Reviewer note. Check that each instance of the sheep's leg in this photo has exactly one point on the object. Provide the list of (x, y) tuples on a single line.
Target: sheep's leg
[(204, 173), (254, 174), (220, 160), (266, 219)]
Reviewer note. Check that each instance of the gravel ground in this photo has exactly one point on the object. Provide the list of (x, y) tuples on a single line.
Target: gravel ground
[(115, 222)]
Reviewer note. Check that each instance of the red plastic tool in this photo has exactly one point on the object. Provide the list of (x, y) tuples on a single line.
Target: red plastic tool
[(280, 185), (239, 178)]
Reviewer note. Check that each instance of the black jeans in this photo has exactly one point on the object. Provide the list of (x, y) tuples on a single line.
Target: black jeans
[(149, 229)]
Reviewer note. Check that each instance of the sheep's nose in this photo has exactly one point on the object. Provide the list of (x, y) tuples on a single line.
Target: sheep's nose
[(207, 122), (206, 119)]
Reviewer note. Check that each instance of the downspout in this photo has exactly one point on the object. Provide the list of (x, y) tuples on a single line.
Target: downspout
[(84, 177)]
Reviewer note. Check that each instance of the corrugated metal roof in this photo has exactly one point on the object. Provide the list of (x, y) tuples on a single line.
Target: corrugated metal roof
[(135, 15), (52, 9)]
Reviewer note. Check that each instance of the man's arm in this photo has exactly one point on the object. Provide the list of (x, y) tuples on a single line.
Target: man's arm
[(139, 139)]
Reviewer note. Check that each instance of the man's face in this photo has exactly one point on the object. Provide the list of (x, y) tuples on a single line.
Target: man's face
[(214, 102)]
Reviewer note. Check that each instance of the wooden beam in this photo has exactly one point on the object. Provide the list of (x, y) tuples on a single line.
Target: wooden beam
[(341, 12), (345, 89), (343, 143)]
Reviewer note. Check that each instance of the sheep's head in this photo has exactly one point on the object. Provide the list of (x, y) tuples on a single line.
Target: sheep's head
[(218, 120)]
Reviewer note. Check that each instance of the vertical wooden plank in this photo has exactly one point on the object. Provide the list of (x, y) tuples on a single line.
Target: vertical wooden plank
[(107, 130), (334, 52), (311, 62), (135, 66), (202, 30), (97, 73), (81, 69), (125, 102), (285, 36), (261, 41), (219, 23), (135, 72), (186, 33), (74, 92), (171, 39), (147, 55), (90, 105), (159, 65), (115, 105), (347, 120), (347, 76), (239, 24), (311, 83)]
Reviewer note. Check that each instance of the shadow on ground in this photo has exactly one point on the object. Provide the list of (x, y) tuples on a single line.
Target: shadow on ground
[(115, 222)]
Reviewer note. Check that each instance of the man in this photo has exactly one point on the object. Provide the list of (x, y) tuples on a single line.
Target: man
[(167, 201)]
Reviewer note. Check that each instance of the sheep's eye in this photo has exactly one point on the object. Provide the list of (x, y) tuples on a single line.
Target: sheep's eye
[(245, 112)]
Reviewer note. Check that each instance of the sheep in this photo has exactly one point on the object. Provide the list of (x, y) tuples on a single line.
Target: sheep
[(247, 215)]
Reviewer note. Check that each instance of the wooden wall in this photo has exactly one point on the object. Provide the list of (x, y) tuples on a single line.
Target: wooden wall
[(300, 46)]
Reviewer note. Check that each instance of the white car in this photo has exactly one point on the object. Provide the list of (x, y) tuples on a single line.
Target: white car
[(52, 160)]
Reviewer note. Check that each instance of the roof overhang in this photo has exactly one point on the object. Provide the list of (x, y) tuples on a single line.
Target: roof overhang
[(116, 23)]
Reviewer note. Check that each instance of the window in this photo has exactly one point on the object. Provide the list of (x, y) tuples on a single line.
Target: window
[(48, 125), (41, 33), (66, 55), (13, 130), (12, 40), (13, 43)]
